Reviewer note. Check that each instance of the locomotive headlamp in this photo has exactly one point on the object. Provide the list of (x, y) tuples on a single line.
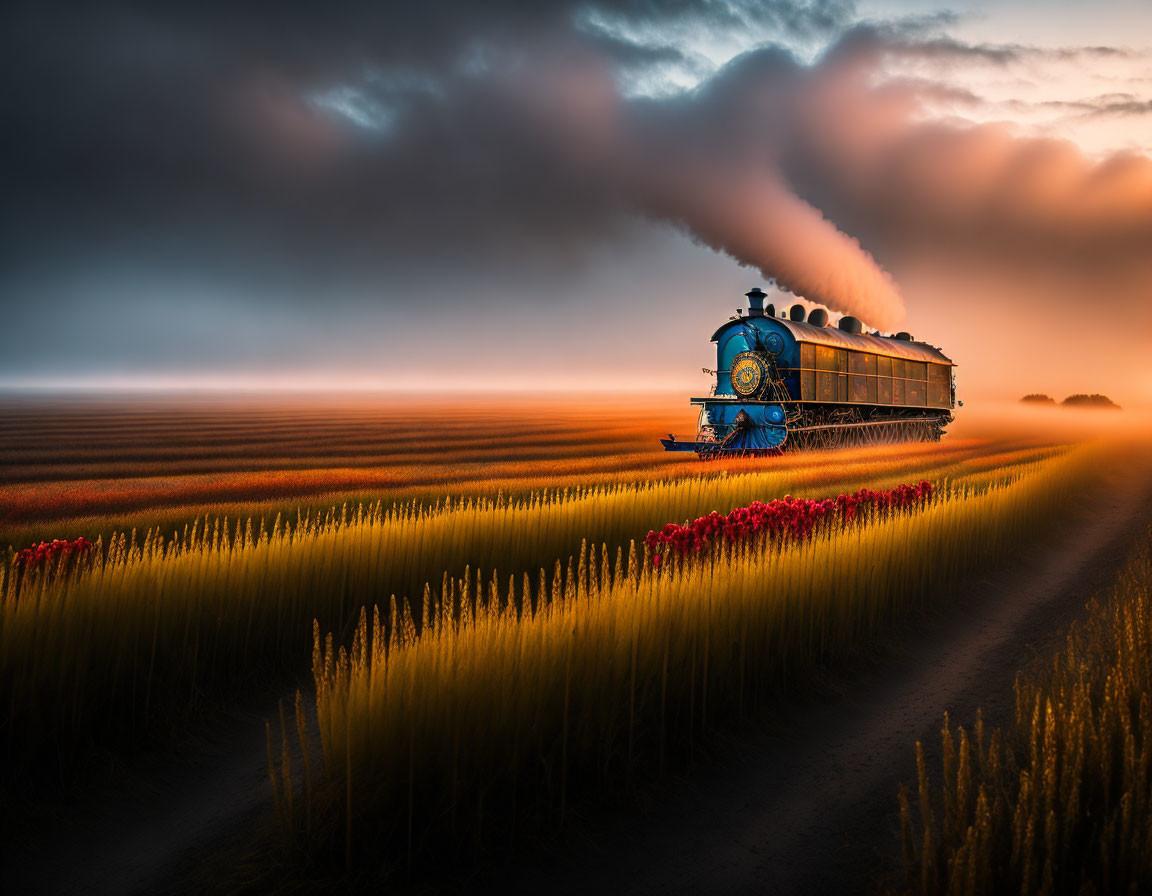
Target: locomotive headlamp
[(748, 374)]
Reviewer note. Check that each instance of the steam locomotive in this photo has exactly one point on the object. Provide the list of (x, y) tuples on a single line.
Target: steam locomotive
[(792, 381)]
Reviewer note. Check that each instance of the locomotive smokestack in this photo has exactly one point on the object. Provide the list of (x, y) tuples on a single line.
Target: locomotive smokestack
[(755, 301)]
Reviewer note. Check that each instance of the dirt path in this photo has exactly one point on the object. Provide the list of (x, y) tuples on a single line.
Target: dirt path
[(812, 808), (137, 833)]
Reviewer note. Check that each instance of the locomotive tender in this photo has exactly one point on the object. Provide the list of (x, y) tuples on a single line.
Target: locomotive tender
[(793, 381)]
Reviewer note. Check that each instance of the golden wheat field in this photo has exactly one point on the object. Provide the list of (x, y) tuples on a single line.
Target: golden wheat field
[(1057, 800), (452, 622)]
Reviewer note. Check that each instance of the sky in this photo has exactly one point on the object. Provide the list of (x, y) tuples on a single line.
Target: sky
[(453, 196)]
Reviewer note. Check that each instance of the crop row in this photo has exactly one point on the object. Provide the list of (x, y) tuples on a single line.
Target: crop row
[(115, 654), (1061, 801), (108, 506), (491, 721)]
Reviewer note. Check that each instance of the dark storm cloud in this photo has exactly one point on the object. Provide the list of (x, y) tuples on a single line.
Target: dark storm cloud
[(353, 135), (389, 137), (140, 118)]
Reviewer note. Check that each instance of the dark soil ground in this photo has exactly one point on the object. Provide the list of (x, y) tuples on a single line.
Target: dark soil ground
[(804, 802)]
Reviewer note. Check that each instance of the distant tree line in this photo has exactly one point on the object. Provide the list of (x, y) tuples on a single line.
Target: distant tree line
[(1079, 400)]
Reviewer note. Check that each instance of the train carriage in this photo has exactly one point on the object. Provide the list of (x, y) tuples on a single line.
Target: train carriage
[(794, 381)]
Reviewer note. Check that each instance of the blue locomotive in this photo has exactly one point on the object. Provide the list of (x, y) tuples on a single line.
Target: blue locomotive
[(794, 381)]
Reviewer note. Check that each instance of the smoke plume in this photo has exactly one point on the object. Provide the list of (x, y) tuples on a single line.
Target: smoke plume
[(388, 139), (757, 220)]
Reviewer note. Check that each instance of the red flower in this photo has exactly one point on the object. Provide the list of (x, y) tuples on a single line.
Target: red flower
[(797, 518), (50, 553)]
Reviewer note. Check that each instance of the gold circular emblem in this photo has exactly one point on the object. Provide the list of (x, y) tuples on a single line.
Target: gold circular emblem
[(747, 374)]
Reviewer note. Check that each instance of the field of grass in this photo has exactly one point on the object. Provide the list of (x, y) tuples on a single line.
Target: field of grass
[(445, 739), (488, 638), (1060, 802), (92, 459), (102, 467), (160, 623)]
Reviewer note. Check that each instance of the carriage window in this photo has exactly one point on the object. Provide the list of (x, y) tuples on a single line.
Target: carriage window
[(939, 386), (826, 358)]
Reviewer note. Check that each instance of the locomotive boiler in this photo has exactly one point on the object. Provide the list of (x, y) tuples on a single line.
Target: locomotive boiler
[(792, 381)]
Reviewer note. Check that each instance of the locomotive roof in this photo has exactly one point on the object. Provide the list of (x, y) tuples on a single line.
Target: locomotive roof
[(837, 338)]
